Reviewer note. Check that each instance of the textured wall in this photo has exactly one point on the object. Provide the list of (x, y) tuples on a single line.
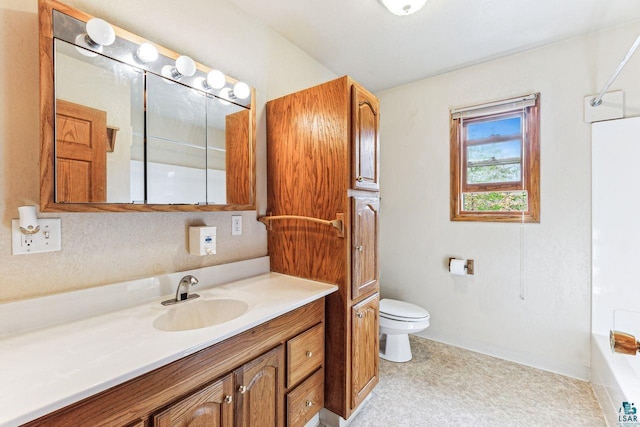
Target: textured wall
[(105, 248), (551, 260)]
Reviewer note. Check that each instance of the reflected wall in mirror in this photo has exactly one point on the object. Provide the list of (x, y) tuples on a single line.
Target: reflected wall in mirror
[(123, 134)]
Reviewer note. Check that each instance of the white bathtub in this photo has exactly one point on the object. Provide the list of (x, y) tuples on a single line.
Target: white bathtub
[(615, 378)]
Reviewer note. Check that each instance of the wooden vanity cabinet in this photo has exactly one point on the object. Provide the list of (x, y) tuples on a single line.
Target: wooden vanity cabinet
[(212, 406), (323, 162), (366, 142), (252, 396), (364, 253), (260, 391), (365, 343), (240, 382)]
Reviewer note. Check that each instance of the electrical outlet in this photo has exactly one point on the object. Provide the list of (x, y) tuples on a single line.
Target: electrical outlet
[(48, 239), (236, 225)]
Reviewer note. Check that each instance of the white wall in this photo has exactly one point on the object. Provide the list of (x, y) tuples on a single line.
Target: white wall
[(550, 328), (104, 248)]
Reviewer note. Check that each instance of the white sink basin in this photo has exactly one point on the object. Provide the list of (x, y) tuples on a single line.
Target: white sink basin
[(200, 314)]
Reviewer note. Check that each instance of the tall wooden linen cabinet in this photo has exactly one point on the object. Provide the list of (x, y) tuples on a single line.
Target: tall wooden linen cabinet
[(323, 162)]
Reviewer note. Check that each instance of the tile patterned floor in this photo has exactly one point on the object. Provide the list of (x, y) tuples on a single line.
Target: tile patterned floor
[(448, 386)]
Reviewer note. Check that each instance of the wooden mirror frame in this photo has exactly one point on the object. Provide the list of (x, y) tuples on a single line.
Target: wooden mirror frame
[(47, 127)]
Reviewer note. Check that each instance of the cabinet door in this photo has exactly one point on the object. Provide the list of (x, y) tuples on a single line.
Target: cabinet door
[(364, 349), (260, 391), (365, 119), (364, 253), (212, 407)]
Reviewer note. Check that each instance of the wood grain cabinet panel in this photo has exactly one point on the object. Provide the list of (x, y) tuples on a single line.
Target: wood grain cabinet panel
[(323, 150), (366, 141), (364, 253), (211, 407), (305, 354), (306, 400), (365, 348), (260, 391)]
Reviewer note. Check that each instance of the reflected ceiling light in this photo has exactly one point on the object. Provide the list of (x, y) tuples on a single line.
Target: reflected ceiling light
[(147, 53), (185, 66), (215, 80), (403, 7), (225, 96), (99, 33), (241, 90)]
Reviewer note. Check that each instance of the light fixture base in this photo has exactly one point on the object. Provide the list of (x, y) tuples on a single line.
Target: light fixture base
[(403, 7)]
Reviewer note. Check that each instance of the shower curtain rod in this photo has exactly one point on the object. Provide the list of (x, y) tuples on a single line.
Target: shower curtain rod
[(595, 102)]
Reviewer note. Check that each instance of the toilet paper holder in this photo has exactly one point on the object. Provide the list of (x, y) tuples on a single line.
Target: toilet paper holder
[(468, 265)]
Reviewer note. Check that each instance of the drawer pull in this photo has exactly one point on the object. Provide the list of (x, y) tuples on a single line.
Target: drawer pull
[(242, 389), (308, 404), (228, 399), (360, 178), (309, 353), (359, 248), (360, 315)]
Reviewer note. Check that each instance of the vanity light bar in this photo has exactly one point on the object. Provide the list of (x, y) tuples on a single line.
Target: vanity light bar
[(98, 37)]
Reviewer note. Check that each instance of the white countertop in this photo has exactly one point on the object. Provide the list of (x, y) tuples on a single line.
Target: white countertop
[(48, 369)]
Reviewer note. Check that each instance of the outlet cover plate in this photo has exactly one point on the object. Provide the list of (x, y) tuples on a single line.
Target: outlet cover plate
[(48, 239), (236, 225)]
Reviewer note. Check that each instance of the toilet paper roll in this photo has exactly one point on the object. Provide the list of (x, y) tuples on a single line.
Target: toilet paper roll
[(457, 267)]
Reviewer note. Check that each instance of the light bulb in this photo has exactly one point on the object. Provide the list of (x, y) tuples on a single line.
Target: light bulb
[(403, 7), (241, 90), (147, 53), (216, 79), (100, 32), (185, 66)]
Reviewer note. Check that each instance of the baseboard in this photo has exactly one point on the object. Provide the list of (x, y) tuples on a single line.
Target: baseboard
[(329, 419), (572, 370)]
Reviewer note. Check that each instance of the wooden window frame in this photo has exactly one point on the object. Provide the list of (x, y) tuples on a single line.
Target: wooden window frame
[(530, 171)]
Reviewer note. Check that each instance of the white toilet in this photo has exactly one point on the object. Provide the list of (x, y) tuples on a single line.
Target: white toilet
[(397, 320)]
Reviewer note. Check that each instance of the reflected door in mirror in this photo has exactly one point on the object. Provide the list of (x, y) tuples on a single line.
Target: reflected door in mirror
[(81, 136)]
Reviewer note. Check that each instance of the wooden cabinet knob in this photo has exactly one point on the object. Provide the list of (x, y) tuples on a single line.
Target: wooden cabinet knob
[(309, 353), (309, 403), (242, 389), (228, 399)]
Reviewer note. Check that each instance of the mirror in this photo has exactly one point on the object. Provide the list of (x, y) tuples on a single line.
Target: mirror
[(132, 135)]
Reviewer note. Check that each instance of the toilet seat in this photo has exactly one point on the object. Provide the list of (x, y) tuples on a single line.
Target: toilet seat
[(402, 311)]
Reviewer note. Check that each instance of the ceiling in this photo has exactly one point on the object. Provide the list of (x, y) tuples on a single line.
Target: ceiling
[(380, 50)]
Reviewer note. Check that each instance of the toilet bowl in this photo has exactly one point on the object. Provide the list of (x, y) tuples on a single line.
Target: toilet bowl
[(397, 320)]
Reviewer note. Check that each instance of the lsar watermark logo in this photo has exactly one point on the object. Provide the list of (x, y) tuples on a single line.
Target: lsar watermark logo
[(627, 416)]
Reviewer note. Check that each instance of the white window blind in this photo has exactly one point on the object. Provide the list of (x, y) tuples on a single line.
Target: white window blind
[(494, 107)]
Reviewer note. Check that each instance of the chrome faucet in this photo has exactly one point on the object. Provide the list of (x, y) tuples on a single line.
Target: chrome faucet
[(182, 293)]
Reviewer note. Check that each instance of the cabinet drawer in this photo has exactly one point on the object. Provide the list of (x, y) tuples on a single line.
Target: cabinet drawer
[(305, 354), (305, 400)]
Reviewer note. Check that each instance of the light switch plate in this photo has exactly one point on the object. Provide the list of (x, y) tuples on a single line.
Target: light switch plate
[(48, 239)]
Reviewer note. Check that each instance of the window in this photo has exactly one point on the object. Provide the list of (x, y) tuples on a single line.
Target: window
[(495, 161)]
